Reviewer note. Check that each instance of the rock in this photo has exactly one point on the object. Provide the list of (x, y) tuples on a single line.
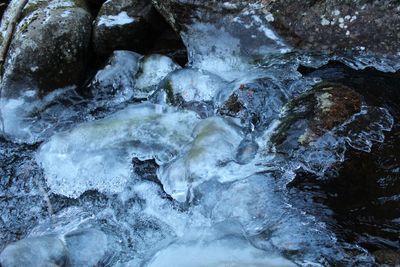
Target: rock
[(387, 257), (49, 48), (323, 26), (126, 25), (116, 81), (46, 251), (335, 26), (314, 113)]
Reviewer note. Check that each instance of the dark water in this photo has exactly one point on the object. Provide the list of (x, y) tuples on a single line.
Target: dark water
[(360, 199)]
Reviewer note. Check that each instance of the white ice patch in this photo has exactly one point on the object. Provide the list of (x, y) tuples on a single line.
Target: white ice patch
[(19, 113), (193, 85), (117, 20), (115, 83), (230, 251), (97, 155), (211, 155), (153, 69)]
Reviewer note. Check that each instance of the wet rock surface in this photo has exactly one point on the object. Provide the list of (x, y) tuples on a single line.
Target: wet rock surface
[(51, 33), (126, 25), (324, 26), (316, 112)]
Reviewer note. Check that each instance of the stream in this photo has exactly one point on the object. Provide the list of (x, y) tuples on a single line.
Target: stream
[(180, 173)]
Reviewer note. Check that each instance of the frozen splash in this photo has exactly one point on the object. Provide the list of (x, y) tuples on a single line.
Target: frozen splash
[(205, 134)]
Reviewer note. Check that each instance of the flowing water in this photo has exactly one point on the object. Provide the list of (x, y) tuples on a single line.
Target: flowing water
[(167, 177)]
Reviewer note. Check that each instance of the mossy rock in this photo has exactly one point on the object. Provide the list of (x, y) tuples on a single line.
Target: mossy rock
[(53, 33), (316, 112)]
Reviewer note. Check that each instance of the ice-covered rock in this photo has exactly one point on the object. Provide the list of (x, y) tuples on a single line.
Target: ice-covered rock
[(257, 103), (260, 27), (152, 70), (97, 155), (86, 247), (190, 85), (210, 156), (116, 81), (314, 113), (51, 33), (316, 126)]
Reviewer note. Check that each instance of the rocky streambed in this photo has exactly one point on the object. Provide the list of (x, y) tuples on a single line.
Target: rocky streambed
[(169, 133)]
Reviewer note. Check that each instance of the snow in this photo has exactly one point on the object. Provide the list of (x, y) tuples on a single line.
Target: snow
[(115, 20)]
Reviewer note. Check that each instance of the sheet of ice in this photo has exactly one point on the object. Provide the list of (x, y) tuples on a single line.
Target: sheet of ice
[(25, 118), (230, 251), (97, 155), (211, 155), (115, 20)]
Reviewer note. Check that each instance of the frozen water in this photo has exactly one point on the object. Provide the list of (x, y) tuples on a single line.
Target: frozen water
[(221, 193), (97, 155), (153, 69), (115, 83), (231, 251), (189, 85)]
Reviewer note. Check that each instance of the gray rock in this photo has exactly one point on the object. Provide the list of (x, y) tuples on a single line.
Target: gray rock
[(125, 25), (49, 48), (37, 251)]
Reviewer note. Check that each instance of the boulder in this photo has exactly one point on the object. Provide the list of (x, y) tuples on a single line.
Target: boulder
[(314, 113), (126, 25), (49, 47), (323, 26)]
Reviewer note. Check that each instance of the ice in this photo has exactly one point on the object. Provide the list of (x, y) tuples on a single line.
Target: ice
[(115, 83), (190, 85), (97, 155), (25, 118), (115, 20), (153, 69), (211, 155), (231, 251), (221, 194)]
